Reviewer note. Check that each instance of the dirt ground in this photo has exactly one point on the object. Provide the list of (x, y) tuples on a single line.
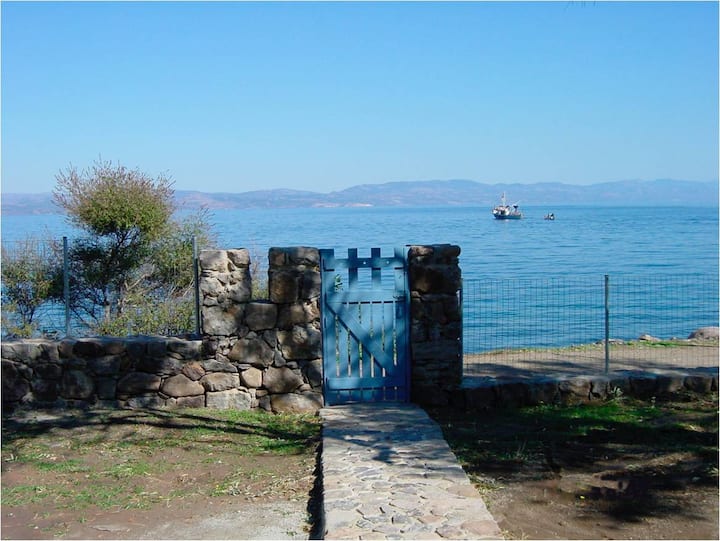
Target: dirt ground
[(180, 492), (618, 504), (591, 359), (638, 477)]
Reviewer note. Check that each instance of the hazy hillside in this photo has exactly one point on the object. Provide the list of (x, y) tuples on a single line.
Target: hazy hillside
[(429, 193)]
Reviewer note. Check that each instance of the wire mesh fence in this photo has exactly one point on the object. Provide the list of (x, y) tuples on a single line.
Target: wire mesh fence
[(27, 269), (31, 268), (587, 324)]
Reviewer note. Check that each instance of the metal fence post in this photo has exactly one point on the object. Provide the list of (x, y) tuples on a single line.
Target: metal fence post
[(607, 323), (196, 274), (66, 285)]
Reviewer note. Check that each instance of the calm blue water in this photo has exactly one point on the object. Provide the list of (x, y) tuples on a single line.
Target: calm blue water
[(583, 243)]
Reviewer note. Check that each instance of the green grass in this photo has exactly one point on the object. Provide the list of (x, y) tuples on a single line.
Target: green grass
[(581, 434), (105, 459)]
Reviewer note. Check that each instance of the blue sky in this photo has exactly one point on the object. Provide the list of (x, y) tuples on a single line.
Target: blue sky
[(321, 96)]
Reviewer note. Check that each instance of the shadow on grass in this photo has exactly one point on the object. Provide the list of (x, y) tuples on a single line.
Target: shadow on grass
[(271, 433), (634, 457)]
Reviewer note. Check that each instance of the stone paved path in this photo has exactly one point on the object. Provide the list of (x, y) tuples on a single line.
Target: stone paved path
[(388, 473)]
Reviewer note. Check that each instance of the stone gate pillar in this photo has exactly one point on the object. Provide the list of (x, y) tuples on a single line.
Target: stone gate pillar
[(273, 345), (436, 322)]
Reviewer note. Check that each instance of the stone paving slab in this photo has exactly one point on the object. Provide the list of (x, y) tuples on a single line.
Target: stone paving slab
[(388, 473)]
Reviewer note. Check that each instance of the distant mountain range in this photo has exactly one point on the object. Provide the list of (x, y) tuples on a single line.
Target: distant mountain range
[(428, 193)]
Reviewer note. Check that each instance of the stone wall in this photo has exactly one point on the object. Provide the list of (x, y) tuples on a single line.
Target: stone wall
[(252, 354), (435, 281), (480, 394), (275, 345), (132, 372)]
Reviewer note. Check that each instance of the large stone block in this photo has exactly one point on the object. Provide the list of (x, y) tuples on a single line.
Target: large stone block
[(260, 316), (106, 388), (137, 383), (643, 385), (299, 313), (230, 399), (296, 402), (214, 260), (146, 401), (220, 381), (240, 258), (253, 351), (218, 365), (186, 349), (50, 351), (446, 254), (26, 351), (193, 370), (45, 390), (14, 385), (701, 383), (108, 365), (197, 401), (162, 366), (66, 346), (88, 347), (512, 394), (181, 385), (574, 390), (435, 279), (313, 371), (542, 392), (668, 384), (281, 380), (77, 385), (296, 256), (284, 286), (705, 333), (239, 289), (251, 378), (210, 288), (48, 371), (310, 284), (222, 321), (302, 342)]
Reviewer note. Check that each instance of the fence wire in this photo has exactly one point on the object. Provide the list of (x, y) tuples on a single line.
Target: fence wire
[(52, 318), (560, 325)]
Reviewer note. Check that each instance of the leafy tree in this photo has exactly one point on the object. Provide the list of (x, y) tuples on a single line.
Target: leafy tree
[(163, 300), (31, 277), (136, 256)]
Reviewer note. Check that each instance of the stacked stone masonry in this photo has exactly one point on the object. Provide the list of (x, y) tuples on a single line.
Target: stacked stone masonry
[(435, 281), (485, 393), (252, 354), (268, 354)]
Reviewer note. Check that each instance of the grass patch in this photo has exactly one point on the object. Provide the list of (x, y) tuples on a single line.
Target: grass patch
[(134, 459), (551, 437)]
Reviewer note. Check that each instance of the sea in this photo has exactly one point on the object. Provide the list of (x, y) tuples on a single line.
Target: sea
[(583, 242), (580, 241)]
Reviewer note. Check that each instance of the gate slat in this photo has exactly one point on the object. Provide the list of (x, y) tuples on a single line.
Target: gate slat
[(359, 334)]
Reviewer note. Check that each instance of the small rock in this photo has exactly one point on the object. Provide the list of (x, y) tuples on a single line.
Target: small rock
[(706, 333)]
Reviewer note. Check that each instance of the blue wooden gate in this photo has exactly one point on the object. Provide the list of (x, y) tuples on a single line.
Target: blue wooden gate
[(365, 309)]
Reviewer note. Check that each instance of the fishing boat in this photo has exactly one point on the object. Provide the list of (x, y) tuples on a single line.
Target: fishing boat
[(503, 211), (550, 216)]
